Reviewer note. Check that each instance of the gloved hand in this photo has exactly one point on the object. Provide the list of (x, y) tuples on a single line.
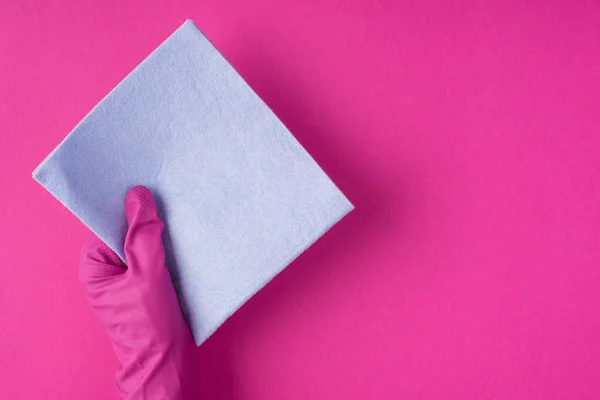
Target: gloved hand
[(138, 307)]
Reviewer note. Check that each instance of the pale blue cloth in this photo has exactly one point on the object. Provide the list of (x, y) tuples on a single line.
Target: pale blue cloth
[(240, 196)]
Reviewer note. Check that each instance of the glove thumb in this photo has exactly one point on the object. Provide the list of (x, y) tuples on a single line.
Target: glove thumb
[(144, 248)]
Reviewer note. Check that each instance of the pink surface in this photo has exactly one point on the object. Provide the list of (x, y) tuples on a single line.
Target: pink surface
[(467, 137)]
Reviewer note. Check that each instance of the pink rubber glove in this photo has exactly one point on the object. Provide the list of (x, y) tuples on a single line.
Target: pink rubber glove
[(138, 307)]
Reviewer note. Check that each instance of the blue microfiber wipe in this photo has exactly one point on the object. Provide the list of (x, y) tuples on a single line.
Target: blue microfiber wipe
[(239, 195)]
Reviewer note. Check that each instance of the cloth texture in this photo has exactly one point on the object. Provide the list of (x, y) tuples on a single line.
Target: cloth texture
[(239, 195)]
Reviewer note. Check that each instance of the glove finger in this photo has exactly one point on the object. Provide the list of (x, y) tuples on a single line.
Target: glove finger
[(98, 265), (144, 248)]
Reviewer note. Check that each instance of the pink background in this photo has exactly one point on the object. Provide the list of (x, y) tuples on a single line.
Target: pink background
[(467, 135)]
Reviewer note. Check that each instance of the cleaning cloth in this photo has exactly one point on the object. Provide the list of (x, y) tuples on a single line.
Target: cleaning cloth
[(239, 195)]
